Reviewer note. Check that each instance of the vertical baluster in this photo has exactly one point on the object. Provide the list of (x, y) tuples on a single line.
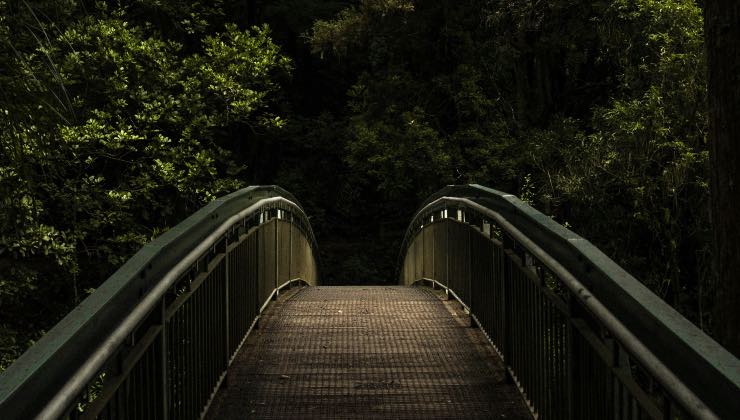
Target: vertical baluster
[(547, 362), (539, 342), (201, 356), (192, 377), (570, 361)]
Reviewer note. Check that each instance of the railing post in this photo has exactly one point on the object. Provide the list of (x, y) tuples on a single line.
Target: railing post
[(290, 250), (277, 254), (507, 349), (469, 284), (447, 247), (420, 237), (227, 321), (571, 358), (257, 263), (619, 361), (163, 357), (433, 270)]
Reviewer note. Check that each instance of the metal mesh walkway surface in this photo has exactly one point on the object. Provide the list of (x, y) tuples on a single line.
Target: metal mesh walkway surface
[(366, 352)]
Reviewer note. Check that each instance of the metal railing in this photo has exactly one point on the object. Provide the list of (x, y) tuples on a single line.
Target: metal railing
[(580, 337), (155, 340)]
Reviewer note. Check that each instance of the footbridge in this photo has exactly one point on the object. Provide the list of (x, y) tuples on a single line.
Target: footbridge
[(498, 312)]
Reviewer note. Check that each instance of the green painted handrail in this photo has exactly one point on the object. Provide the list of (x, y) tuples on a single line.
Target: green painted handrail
[(48, 377), (707, 369)]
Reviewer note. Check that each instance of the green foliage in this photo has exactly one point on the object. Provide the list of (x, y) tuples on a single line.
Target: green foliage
[(235, 76), (401, 155), (117, 119), (593, 111), (642, 163), (419, 123), (631, 175), (112, 133), (353, 26)]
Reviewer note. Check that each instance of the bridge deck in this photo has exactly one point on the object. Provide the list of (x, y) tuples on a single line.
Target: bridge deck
[(366, 352)]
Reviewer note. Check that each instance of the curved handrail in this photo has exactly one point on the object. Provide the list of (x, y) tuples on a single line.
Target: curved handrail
[(54, 371), (693, 359)]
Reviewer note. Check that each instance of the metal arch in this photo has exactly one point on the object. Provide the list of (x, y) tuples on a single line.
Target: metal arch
[(56, 370), (667, 345)]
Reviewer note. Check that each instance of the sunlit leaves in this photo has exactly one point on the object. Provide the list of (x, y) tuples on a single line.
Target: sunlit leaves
[(235, 74), (111, 132)]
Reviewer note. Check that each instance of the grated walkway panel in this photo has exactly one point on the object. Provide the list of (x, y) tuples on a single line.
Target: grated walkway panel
[(366, 352)]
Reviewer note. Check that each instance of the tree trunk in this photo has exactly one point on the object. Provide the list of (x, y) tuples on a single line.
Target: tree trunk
[(722, 31)]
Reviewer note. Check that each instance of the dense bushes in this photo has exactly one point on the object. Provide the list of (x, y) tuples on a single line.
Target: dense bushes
[(117, 119), (600, 106), (112, 133)]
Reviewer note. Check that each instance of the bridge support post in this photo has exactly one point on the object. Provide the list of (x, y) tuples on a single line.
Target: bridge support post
[(227, 321), (447, 254), (163, 358), (506, 278), (277, 255), (290, 251), (572, 358)]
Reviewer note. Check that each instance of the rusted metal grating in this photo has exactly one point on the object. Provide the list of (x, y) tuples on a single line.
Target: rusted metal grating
[(366, 352)]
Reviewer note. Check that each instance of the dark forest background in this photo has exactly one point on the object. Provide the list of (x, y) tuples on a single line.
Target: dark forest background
[(120, 118)]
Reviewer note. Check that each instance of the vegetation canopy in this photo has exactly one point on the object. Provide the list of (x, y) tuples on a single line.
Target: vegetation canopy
[(120, 118)]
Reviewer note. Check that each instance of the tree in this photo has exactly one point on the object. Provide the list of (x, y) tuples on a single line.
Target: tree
[(632, 175), (109, 134), (601, 105), (723, 51)]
